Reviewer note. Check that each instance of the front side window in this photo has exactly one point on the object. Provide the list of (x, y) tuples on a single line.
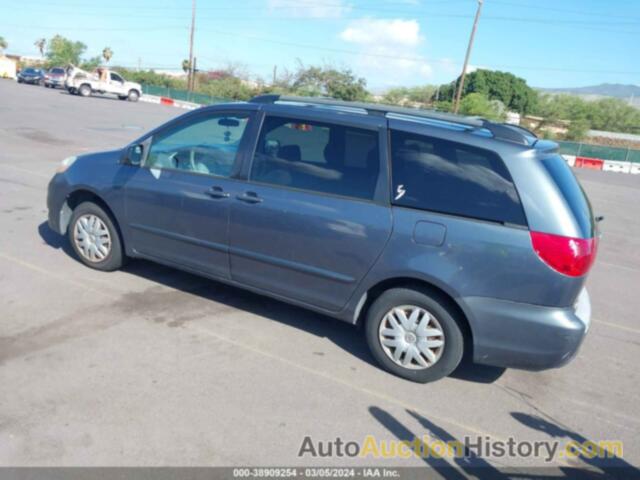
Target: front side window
[(318, 157), (454, 178), (207, 145), (116, 78)]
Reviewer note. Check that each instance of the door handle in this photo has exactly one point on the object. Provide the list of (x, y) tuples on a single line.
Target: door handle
[(249, 197), (217, 192)]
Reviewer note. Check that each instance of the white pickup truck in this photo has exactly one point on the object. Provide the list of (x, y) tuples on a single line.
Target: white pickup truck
[(101, 81)]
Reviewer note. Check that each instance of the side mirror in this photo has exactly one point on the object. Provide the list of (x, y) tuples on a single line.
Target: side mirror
[(133, 155)]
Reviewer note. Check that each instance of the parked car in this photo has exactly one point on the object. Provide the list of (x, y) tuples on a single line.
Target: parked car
[(34, 76), (439, 234), (102, 81), (55, 77)]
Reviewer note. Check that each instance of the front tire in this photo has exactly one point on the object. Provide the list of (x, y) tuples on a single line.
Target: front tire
[(414, 334), (94, 238)]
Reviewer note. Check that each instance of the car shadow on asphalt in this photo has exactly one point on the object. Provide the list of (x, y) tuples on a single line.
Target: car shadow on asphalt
[(612, 466), (342, 334), (454, 459), (96, 96)]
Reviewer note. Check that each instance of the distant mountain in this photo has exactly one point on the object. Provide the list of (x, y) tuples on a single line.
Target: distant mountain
[(616, 90)]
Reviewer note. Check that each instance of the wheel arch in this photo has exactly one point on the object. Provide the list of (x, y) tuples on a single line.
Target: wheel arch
[(419, 284), (81, 195)]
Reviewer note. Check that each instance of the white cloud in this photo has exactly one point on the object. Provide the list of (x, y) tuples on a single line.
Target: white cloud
[(368, 31), (389, 50), (309, 8)]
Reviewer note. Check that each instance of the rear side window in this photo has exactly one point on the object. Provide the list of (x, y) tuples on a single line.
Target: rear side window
[(453, 178), (572, 192), (318, 157)]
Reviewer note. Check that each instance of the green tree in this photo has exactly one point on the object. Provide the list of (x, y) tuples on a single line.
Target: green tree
[(90, 63), (414, 96), (40, 44), (336, 83), (577, 129), (396, 96), (477, 104), (107, 53), (604, 114), (512, 91), (149, 77), (62, 51), (3, 44)]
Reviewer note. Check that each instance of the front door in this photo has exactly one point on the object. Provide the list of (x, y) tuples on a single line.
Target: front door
[(310, 222), (177, 204), (116, 84)]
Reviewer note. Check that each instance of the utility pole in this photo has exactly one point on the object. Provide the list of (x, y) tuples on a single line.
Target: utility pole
[(275, 75), (193, 27), (466, 58)]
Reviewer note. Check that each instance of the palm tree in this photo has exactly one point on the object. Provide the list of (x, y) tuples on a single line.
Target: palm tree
[(40, 44), (3, 44), (107, 53)]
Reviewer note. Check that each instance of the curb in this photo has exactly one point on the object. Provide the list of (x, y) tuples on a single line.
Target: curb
[(169, 102)]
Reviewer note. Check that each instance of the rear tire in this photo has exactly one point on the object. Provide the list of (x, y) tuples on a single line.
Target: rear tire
[(133, 96), (435, 329), (95, 239), (85, 90)]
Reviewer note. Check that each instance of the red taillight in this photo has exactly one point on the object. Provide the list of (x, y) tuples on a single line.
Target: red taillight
[(567, 255)]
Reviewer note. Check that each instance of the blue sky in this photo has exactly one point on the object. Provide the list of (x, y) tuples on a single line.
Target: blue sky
[(550, 43)]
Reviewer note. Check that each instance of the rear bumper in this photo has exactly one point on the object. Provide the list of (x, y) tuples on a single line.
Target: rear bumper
[(531, 337)]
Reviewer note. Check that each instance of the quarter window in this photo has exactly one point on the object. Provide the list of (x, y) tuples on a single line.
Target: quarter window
[(318, 157), (208, 145), (454, 178)]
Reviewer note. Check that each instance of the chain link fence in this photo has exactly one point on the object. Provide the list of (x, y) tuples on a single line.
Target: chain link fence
[(182, 95), (600, 151)]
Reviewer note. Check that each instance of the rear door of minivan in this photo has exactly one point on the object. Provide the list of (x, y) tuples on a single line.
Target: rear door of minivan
[(315, 213)]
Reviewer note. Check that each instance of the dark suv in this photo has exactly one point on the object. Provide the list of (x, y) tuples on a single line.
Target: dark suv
[(439, 234)]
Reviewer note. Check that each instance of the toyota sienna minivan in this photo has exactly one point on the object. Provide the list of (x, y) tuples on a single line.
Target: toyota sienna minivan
[(439, 234)]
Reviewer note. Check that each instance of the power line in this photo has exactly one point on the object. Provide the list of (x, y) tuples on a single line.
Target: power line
[(634, 21), (376, 55), (409, 58)]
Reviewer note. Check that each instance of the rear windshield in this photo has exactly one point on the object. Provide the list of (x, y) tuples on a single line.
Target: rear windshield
[(57, 70), (575, 197)]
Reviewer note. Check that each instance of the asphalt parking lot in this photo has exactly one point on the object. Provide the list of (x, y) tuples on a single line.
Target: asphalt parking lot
[(151, 366)]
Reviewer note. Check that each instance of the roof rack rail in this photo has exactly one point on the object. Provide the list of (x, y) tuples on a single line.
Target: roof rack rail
[(499, 131)]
